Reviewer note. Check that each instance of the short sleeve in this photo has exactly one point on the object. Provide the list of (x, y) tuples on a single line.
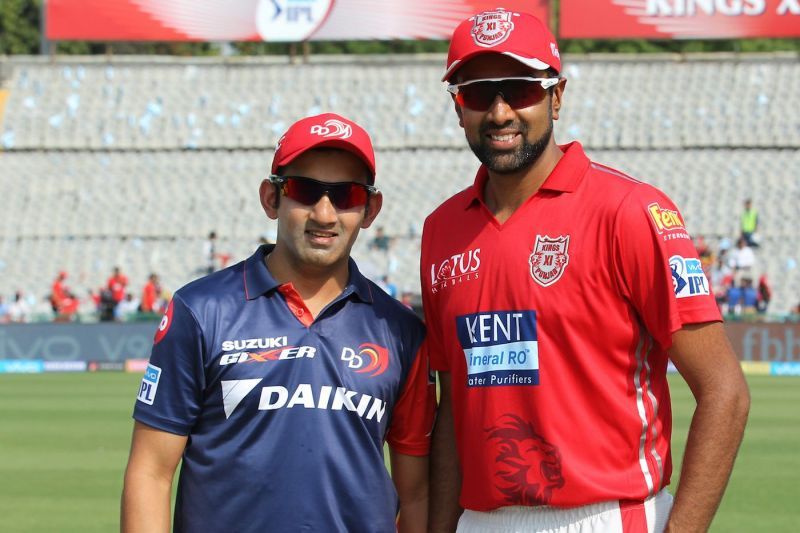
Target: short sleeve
[(171, 392), (413, 414), (657, 267)]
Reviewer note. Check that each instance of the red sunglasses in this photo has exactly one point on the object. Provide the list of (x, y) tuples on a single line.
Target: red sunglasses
[(308, 191), (518, 92)]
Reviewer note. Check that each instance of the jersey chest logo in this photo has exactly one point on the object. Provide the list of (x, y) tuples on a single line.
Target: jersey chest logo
[(549, 259)]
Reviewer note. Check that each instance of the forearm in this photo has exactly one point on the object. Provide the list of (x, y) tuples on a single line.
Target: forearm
[(713, 441), (145, 504), (410, 476), (413, 515), (445, 486)]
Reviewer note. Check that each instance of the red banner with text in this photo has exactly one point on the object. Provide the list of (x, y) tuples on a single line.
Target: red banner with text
[(266, 20), (679, 19)]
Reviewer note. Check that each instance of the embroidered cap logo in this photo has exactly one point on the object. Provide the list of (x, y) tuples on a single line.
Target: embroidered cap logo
[(332, 128), (491, 28)]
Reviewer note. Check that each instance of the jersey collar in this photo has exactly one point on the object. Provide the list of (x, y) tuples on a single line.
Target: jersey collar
[(259, 281), (565, 177)]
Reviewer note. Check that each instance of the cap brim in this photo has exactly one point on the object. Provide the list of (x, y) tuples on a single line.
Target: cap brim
[(529, 62), (331, 143)]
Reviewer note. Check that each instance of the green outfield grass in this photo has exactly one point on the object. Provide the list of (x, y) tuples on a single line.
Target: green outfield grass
[(64, 442)]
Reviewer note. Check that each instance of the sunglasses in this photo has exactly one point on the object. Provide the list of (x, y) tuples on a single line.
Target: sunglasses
[(518, 92), (308, 191)]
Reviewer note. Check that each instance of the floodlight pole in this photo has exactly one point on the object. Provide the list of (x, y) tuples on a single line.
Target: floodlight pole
[(44, 43)]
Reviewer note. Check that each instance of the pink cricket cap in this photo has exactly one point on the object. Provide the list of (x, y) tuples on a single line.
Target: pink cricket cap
[(329, 130), (519, 35)]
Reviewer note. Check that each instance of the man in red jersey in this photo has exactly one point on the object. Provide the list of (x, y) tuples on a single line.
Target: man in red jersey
[(150, 295), (555, 290), (117, 284)]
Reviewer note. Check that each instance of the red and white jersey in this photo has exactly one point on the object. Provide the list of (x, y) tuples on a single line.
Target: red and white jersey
[(554, 327)]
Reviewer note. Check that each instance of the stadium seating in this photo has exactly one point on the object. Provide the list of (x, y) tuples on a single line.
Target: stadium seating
[(133, 161)]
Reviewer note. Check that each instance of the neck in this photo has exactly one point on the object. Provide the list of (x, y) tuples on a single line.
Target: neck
[(504, 193), (317, 286)]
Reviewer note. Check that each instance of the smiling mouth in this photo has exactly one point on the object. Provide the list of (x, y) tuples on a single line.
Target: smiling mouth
[(321, 234), (503, 138)]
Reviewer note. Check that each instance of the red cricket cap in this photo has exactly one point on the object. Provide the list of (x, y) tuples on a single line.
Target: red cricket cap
[(329, 130), (519, 35)]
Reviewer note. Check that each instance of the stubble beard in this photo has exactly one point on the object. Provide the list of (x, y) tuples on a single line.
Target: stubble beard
[(504, 162)]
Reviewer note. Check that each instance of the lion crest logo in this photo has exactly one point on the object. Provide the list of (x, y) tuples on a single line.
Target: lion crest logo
[(528, 467), (549, 259), (491, 28)]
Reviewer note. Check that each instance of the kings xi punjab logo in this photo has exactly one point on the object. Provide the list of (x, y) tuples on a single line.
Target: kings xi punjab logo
[(549, 259), (492, 27)]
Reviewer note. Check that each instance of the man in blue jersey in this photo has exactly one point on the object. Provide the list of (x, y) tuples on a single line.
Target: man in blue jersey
[(278, 380)]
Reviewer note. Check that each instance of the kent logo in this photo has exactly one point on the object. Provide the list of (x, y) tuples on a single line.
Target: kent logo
[(500, 348), (149, 386), (665, 219)]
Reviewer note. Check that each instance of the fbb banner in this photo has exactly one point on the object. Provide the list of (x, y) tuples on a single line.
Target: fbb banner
[(679, 19), (266, 20)]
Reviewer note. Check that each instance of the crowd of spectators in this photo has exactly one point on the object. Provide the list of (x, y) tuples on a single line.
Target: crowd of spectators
[(115, 301), (740, 286)]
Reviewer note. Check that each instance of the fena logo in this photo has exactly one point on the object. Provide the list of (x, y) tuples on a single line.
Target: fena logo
[(455, 269), (554, 50), (665, 219), (332, 128), (370, 359)]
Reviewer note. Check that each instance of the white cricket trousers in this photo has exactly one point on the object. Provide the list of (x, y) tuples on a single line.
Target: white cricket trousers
[(649, 516)]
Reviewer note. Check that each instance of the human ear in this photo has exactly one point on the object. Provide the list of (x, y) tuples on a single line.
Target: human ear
[(557, 97), (371, 210), (270, 198)]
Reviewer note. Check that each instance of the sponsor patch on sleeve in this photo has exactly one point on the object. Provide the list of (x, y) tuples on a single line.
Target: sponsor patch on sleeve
[(667, 222), (149, 386), (500, 348), (688, 278)]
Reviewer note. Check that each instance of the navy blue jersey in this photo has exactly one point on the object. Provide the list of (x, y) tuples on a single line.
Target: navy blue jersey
[(286, 416)]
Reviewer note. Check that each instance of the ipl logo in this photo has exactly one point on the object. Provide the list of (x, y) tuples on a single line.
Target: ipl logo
[(291, 20), (549, 259), (491, 28), (370, 359)]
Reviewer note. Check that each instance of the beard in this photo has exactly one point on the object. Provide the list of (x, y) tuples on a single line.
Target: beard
[(505, 162)]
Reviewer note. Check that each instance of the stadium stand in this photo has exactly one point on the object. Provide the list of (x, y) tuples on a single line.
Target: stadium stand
[(132, 161)]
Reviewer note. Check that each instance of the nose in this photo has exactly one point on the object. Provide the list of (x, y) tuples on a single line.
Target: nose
[(324, 211), (500, 112)]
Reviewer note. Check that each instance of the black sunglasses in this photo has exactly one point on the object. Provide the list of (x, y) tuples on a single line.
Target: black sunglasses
[(518, 92), (308, 191)]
